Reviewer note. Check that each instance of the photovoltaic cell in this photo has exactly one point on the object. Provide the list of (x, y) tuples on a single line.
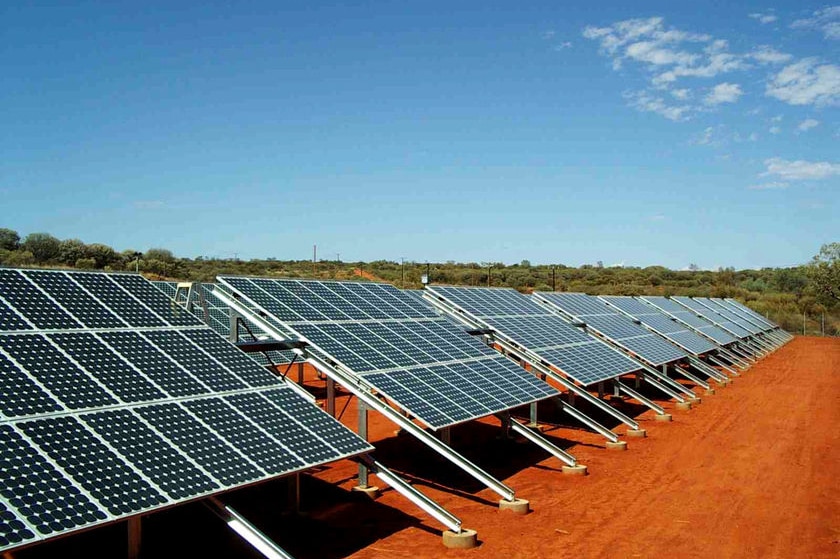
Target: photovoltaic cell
[(397, 345), (89, 431), (712, 317)]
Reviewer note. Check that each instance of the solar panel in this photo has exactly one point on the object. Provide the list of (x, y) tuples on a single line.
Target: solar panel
[(747, 312), (397, 345), (661, 323), (218, 318), (115, 402), (733, 328), (524, 322), (614, 326), (721, 308), (690, 319)]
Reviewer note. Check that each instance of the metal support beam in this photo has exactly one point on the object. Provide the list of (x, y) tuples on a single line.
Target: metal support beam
[(714, 360), (446, 436), (706, 370), (673, 387), (533, 415), (300, 373), (409, 492), (543, 443), (588, 421), (655, 383), (638, 397), (294, 492), (692, 378), (246, 530), (736, 360)]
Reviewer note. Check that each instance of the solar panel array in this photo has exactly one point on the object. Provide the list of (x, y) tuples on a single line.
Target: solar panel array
[(218, 318), (524, 322), (690, 318), (614, 326), (748, 312), (397, 345), (115, 402), (661, 323), (731, 315), (732, 327)]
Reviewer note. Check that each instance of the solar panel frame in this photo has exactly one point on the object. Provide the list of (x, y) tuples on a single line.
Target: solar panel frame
[(750, 312), (100, 451), (729, 315), (720, 305), (399, 347), (541, 331)]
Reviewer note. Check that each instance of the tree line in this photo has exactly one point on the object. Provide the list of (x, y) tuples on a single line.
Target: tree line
[(786, 295)]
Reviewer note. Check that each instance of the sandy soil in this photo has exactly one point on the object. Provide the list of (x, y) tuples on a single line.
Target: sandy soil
[(751, 472)]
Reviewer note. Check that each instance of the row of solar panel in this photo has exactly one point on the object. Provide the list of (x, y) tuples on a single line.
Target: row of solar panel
[(66, 472)]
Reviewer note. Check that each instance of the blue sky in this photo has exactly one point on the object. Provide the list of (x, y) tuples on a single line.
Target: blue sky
[(657, 133)]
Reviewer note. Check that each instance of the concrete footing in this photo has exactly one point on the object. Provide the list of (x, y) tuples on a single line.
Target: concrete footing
[(662, 417), (683, 406), (538, 427), (618, 445), (694, 401), (517, 506), (370, 491), (579, 470), (710, 392), (636, 433), (465, 539)]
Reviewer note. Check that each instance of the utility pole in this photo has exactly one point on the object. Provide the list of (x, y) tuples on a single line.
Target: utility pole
[(137, 256), (553, 279), (489, 268), (803, 323), (314, 257), (402, 270)]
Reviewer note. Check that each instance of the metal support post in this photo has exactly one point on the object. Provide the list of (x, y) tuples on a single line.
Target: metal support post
[(586, 420), (666, 381), (601, 389), (300, 373), (706, 370), (533, 415), (135, 537), (330, 396), (446, 436), (294, 492), (363, 433)]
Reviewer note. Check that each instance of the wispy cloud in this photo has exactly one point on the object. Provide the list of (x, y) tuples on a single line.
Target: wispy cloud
[(807, 82), (768, 55), (764, 18), (800, 170), (563, 46), (548, 34), (775, 130), (807, 124), (723, 93), (769, 186), (827, 21), (646, 102)]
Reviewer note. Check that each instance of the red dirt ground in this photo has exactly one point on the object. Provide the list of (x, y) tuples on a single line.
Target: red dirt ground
[(751, 472)]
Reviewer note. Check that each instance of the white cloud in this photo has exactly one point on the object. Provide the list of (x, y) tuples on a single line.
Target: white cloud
[(807, 124), (681, 94), (764, 18), (768, 55), (644, 101), (562, 46), (705, 138), (777, 118), (800, 170), (826, 20), (723, 93), (807, 82), (769, 186), (651, 53), (775, 130)]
